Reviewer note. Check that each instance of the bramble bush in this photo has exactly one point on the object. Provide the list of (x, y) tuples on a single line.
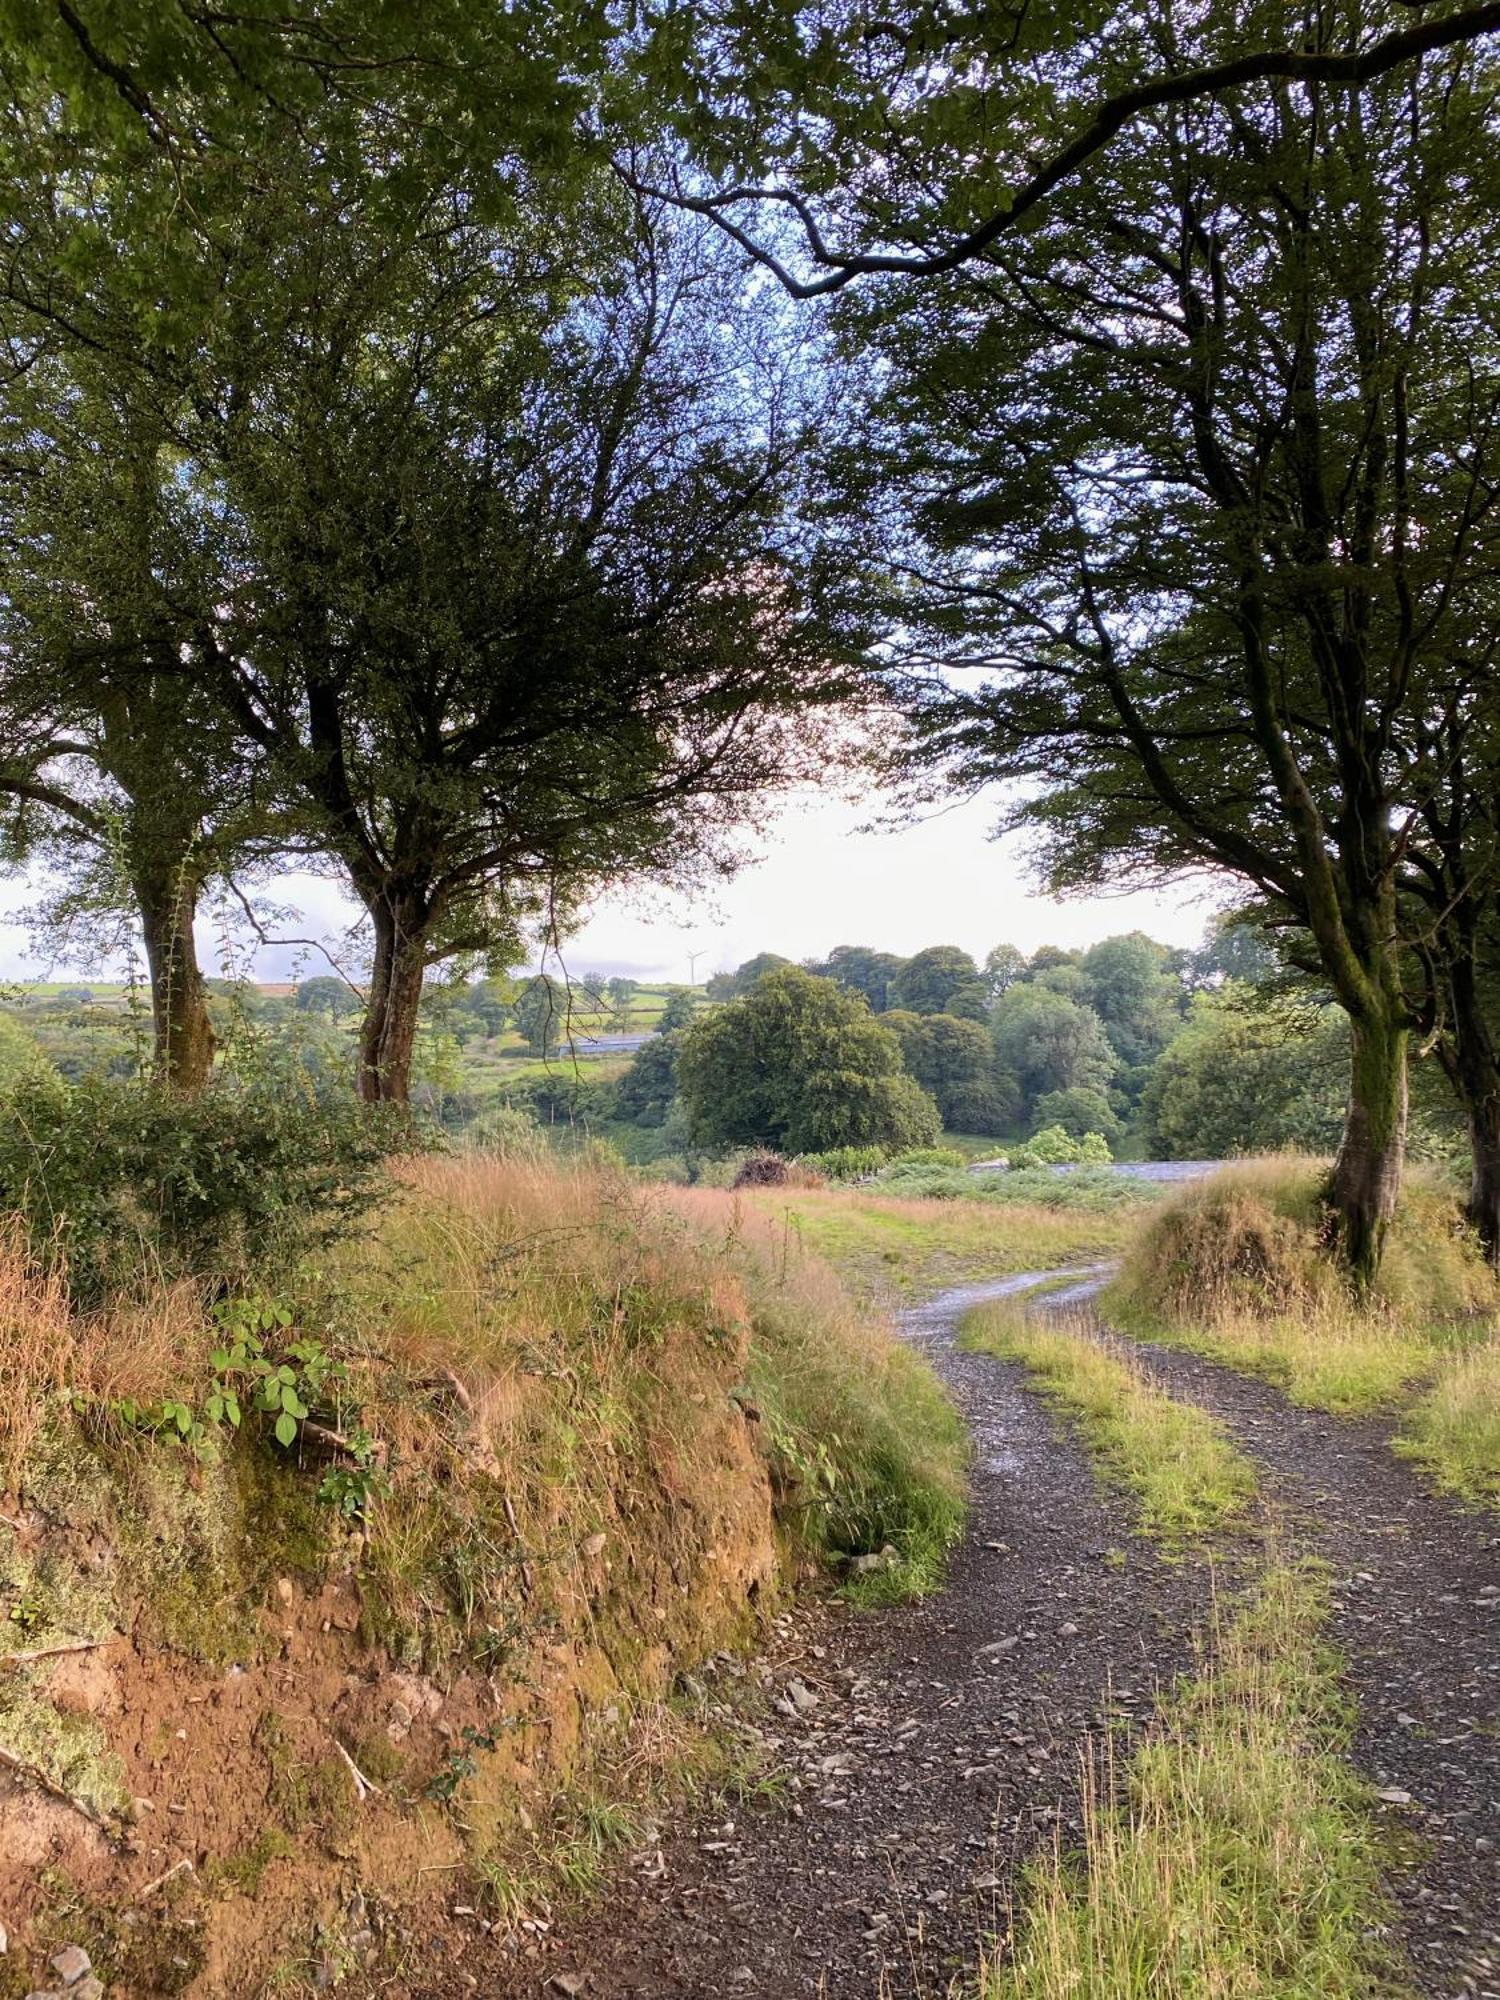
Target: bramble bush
[(111, 1178)]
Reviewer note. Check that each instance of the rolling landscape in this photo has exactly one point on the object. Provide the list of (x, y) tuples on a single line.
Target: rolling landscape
[(958, 1466)]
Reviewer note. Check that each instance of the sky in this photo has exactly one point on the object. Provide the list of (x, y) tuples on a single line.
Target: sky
[(823, 878)]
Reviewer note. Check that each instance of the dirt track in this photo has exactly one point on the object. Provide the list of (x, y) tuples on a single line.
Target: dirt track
[(945, 1740)]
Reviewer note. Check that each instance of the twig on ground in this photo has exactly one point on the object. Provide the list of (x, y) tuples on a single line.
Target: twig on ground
[(362, 1784)]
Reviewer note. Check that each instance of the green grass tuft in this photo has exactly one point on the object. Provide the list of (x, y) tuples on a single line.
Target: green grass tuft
[(1238, 1857), (1187, 1479), (1454, 1426)]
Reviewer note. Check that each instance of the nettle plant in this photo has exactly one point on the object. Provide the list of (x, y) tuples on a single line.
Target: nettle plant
[(260, 1372)]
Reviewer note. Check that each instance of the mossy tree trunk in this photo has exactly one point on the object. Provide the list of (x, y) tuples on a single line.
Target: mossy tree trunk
[(1366, 1180), (402, 920), (183, 1032)]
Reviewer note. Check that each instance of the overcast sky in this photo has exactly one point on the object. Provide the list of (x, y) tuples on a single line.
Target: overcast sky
[(823, 880)]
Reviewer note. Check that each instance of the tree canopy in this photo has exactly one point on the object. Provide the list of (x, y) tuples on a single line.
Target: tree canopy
[(798, 1064)]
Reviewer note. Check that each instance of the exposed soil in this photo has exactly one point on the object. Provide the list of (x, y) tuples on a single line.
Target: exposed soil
[(943, 1748), (946, 1737)]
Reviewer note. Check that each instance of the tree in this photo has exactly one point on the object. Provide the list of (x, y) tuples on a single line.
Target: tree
[(130, 159), (1078, 1111), (541, 1014), (1132, 988), (1248, 1078), (621, 994), (730, 985), (327, 995), (1211, 521), (1049, 1042), (861, 970), (647, 1091), (940, 980), (118, 769), (557, 620), (915, 145), (798, 1064), (954, 1062), (679, 1010), (1004, 966)]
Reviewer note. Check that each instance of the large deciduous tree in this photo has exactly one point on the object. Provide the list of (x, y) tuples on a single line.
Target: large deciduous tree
[(1205, 469), (799, 1064), (515, 594), (117, 765)]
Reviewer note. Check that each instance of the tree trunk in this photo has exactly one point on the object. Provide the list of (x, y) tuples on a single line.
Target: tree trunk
[(183, 1033), (1367, 1172), (389, 1031), (1472, 1065)]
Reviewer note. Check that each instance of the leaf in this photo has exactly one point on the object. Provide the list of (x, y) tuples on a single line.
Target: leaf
[(286, 1429)]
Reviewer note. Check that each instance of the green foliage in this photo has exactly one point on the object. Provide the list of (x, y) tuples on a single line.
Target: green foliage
[(801, 1066), (845, 1163), (1049, 1042), (1079, 1112), (1055, 1146), (731, 985), (259, 1372), (861, 970), (678, 1012), (327, 995), (940, 980), (110, 1178), (1083, 1187), (1248, 1076), (644, 1095), (953, 1059)]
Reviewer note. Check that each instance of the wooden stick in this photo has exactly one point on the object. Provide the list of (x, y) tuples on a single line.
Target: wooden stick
[(40, 1777), (177, 1868), (362, 1784), (515, 1528), (51, 1652)]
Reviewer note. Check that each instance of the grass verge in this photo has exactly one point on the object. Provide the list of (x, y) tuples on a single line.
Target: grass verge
[(867, 1452), (1237, 1855), (1235, 1270), (1453, 1428), (892, 1250), (1187, 1480)]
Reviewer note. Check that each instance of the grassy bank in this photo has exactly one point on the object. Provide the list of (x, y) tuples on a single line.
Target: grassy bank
[(893, 1249), (1235, 1854), (1235, 1270), (457, 1504), (1186, 1479)]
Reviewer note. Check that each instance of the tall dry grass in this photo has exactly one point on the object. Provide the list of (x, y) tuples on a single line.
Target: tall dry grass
[(1237, 1269), (151, 1344), (868, 1448)]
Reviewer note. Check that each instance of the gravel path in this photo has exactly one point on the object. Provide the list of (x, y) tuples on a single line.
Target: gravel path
[(930, 1748), (1417, 1593), (943, 1746)]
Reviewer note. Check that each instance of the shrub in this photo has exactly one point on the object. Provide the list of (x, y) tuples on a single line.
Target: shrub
[(802, 1066), (770, 1170), (845, 1163), (1054, 1147), (1079, 1111), (1238, 1268), (109, 1177)]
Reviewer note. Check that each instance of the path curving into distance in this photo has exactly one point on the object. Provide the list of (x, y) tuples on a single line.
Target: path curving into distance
[(934, 1746), (943, 1749)]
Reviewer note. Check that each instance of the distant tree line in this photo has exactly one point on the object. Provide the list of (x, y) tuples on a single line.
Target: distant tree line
[(1199, 1054)]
